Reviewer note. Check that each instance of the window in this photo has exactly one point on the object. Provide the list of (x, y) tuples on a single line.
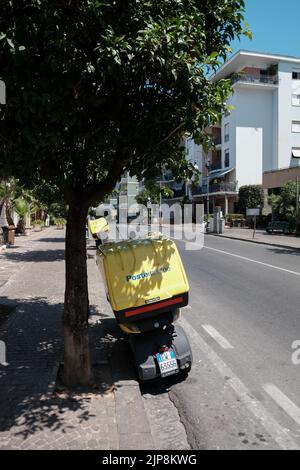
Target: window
[(226, 133), (296, 100), (296, 152), (296, 126), (227, 158), (296, 75)]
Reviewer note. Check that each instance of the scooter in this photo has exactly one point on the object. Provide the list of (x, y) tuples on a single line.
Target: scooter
[(146, 285)]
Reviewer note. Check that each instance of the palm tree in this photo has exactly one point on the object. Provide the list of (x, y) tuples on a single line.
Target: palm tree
[(21, 206)]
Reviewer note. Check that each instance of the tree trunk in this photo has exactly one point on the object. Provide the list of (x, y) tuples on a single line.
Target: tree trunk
[(77, 367)]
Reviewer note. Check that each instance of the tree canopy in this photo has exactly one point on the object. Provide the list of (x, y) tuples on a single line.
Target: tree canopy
[(250, 196), (94, 88), (285, 204)]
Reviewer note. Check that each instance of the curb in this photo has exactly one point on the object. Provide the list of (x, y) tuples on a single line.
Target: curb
[(287, 247), (134, 434)]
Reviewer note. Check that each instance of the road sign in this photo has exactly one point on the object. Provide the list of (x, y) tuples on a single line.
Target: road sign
[(253, 212)]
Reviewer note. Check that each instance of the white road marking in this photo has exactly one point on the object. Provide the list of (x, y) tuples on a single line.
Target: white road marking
[(217, 337), (253, 261), (280, 435), (283, 401)]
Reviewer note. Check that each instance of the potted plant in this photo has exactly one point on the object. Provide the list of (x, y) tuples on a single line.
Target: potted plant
[(38, 225), (60, 223)]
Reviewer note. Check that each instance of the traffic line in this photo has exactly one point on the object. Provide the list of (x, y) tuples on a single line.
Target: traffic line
[(252, 260), (283, 401), (217, 337), (280, 435)]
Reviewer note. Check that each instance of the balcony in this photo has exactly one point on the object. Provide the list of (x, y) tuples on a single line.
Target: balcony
[(222, 187), (254, 79)]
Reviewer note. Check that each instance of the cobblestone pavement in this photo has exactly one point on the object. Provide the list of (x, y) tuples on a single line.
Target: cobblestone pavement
[(34, 412), (8, 266)]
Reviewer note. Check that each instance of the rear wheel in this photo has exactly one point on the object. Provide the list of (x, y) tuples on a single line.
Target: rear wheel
[(185, 372)]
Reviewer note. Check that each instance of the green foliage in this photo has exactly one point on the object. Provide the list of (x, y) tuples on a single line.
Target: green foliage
[(97, 88), (21, 206), (262, 221), (250, 197), (60, 222), (284, 205), (234, 216), (236, 220), (38, 223), (152, 192)]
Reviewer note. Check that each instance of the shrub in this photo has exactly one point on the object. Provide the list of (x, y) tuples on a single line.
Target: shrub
[(38, 223), (230, 217), (60, 222), (250, 196)]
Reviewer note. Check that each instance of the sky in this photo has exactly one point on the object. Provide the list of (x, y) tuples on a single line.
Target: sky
[(275, 25)]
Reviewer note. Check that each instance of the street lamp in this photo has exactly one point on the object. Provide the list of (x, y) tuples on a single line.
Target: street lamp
[(207, 165)]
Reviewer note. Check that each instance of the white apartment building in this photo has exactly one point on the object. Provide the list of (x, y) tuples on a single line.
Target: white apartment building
[(258, 142)]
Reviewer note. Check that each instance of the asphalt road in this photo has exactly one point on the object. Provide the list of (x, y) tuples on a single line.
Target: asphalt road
[(243, 391)]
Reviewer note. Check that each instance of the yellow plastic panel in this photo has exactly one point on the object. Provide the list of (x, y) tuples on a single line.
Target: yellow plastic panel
[(141, 272), (98, 225)]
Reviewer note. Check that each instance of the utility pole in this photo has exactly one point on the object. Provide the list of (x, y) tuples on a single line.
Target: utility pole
[(207, 164)]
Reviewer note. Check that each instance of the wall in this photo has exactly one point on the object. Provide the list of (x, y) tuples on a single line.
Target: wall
[(277, 179), (255, 110), (286, 114), (249, 143)]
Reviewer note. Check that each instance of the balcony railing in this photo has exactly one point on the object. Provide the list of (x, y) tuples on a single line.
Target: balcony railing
[(263, 79), (222, 187)]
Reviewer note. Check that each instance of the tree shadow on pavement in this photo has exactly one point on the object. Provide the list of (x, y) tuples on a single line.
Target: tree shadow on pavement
[(36, 410), (32, 402), (285, 251), (35, 256), (51, 240)]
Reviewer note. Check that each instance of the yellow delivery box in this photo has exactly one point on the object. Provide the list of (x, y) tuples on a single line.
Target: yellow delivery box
[(98, 225), (143, 277)]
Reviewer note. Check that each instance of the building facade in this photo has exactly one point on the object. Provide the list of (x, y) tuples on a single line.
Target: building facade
[(258, 141)]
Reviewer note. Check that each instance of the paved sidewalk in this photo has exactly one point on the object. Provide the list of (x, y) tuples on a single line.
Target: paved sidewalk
[(262, 237), (34, 412)]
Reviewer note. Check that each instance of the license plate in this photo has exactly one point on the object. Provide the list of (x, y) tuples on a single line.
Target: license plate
[(167, 363)]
